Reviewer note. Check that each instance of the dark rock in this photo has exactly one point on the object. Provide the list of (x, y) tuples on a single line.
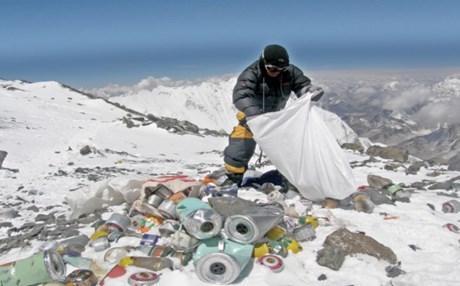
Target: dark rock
[(331, 257), (394, 271), (391, 166), (391, 152), (353, 243), (35, 231), (129, 123), (45, 218), (353, 146), (85, 150), (378, 182), (441, 186), (414, 168), (70, 233), (2, 157), (322, 277), (420, 185), (6, 224), (453, 163), (378, 196)]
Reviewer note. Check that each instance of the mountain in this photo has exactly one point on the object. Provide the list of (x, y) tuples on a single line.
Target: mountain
[(207, 104), (395, 108), (68, 149)]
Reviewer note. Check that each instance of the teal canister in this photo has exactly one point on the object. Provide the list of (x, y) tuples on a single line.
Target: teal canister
[(42, 267), (199, 218), (221, 261)]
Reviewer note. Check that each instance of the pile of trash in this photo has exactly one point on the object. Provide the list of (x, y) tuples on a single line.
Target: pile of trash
[(173, 221)]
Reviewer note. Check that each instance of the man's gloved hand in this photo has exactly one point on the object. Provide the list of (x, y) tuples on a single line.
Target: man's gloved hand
[(315, 91)]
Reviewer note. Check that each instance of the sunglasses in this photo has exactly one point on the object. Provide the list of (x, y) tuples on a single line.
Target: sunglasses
[(273, 68)]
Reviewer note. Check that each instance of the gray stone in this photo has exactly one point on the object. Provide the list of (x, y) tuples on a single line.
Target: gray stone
[(2, 157), (353, 146), (414, 168), (378, 182), (85, 150), (453, 163), (331, 257), (391, 152), (378, 196), (354, 243)]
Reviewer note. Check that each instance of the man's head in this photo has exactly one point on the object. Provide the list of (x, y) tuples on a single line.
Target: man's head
[(276, 59)]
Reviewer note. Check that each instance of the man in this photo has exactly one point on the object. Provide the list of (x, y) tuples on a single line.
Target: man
[(264, 86)]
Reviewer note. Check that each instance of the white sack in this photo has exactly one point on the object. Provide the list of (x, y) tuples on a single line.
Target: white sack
[(301, 146)]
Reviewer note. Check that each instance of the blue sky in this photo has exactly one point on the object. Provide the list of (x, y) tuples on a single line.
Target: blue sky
[(89, 43)]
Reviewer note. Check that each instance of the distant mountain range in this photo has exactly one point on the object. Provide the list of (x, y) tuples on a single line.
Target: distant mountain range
[(413, 110)]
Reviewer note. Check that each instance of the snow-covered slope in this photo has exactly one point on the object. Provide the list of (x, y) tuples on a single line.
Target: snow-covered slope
[(44, 125)]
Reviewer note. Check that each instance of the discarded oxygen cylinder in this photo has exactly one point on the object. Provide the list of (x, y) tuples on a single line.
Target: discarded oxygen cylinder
[(253, 223), (42, 267), (221, 261), (199, 219)]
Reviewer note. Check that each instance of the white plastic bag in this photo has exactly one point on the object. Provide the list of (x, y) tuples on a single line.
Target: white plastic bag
[(301, 146), (109, 192)]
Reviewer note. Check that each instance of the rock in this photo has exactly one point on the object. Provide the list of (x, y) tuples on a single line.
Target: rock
[(85, 150), (394, 271), (2, 157), (322, 277), (129, 123), (378, 182), (353, 146), (378, 196), (391, 152), (414, 168), (353, 243), (453, 163), (330, 256)]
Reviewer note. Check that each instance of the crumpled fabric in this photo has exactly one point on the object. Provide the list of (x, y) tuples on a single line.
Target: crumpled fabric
[(109, 192)]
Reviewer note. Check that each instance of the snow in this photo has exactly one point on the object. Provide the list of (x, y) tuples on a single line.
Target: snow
[(43, 126)]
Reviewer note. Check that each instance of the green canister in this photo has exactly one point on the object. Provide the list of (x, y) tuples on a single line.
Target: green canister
[(42, 267)]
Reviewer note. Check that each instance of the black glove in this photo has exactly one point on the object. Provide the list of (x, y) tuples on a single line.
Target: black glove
[(315, 91)]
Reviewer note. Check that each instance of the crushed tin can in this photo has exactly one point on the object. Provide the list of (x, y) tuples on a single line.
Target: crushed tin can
[(231, 191), (177, 197), (452, 206), (118, 222), (277, 248), (153, 263), (304, 232), (160, 251), (114, 255), (155, 200), (81, 277), (149, 239), (167, 209), (143, 278), (184, 256), (452, 227), (169, 227), (100, 244), (273, 262), (163, 191)]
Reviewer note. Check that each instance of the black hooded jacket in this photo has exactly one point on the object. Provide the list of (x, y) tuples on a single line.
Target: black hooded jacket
[(256, 92)]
